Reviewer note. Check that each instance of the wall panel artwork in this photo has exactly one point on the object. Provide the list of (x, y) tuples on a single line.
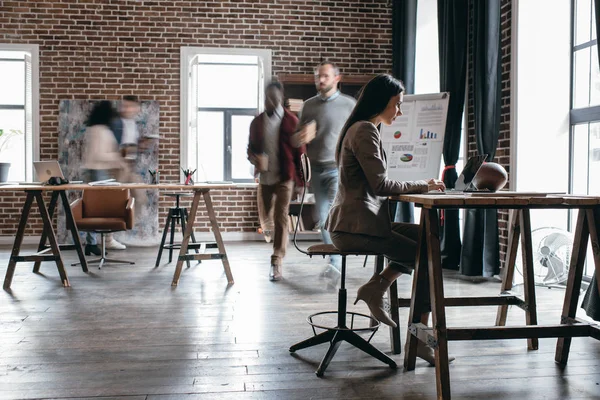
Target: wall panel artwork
[(72, 118)]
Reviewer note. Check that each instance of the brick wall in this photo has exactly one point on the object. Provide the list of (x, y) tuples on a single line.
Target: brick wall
[(104, 49), (503, 150)]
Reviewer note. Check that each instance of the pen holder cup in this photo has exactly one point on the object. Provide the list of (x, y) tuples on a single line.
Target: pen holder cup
[(155, 179), (189, 180)]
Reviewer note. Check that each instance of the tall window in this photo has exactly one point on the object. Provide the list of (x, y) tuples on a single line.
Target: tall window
[(18, 100), (541, 91), (585, 104), (224, 93), (585, 109)]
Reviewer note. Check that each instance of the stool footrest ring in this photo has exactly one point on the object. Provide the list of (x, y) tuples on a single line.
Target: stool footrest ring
[(373, 323)]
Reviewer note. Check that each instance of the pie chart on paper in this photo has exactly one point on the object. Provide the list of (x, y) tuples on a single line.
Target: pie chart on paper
[(397, 135), (406, 157)]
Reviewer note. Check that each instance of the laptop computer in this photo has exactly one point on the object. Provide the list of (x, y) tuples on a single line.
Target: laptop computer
[(464, 181), (44, 170)]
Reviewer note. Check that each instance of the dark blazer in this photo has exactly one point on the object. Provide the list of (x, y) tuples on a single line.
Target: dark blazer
[(361, 204), (289, 156)]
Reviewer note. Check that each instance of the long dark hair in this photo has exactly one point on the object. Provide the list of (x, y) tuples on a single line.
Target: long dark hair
[(373, 99), (102, 114)]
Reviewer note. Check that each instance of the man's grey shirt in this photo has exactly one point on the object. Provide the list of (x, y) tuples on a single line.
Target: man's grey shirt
[(330, 115)]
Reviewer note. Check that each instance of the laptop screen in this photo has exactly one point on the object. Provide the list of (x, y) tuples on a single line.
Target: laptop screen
[(45, 170), (469, 171)]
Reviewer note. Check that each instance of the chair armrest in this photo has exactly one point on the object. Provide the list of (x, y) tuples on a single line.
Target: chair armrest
[(129, 213)]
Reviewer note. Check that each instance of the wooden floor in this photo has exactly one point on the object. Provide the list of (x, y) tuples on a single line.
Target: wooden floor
[(125, 333)]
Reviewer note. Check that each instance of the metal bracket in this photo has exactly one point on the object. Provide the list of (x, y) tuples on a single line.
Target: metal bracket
[(412, 330), (432, 342)]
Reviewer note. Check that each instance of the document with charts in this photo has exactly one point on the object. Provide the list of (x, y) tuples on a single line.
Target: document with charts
[(414, 142)]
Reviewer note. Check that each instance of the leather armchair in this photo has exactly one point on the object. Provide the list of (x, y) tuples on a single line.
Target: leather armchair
[(104, 211)]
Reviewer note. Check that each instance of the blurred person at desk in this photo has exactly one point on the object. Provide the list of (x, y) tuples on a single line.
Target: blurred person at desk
[(278, 163), (359, 219), (101, 156), (321, 120), (125, 130)]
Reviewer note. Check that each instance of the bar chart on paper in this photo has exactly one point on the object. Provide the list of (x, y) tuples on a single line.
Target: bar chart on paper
[(414, 142), (424, 135)]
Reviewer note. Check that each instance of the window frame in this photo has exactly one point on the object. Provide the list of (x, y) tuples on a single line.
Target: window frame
[(582, 115), (33, 50), (187, 54)]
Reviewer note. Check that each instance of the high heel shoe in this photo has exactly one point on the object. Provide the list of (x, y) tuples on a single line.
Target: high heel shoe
[(92, 249), (372, 293)]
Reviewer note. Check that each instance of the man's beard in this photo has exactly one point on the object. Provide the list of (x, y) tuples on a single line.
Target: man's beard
[(325, 89)]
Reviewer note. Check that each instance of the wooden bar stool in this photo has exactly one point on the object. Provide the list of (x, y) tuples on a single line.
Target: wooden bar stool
[(177, 215)]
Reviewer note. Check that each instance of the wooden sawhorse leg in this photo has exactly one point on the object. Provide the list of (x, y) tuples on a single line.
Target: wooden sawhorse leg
[(186, 237), (184, 220), (70, 222), (514, 231), (585, 228), (12, 264), (215, 228), (432, 280), (520, 227), (438, 309), (52, 238), (188, 233), (528, 276), (42, 244), (47, 228), (72, 226)]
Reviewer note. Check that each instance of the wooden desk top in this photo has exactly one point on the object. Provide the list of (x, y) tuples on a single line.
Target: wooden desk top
[(491, 200), (160, 186)]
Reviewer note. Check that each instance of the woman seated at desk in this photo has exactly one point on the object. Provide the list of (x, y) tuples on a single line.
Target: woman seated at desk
[(359, 219)]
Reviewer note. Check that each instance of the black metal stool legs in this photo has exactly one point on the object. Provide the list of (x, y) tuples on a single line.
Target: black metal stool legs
[(176, 215), (164, 237), (184, 220), (341, 332)]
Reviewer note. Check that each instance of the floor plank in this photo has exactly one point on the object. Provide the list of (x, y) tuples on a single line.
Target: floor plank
[(125, 333)]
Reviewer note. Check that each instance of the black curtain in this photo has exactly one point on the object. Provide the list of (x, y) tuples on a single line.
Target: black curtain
[(453, 18), (404, 38), (481, 249), (591, 300), (404, 41)]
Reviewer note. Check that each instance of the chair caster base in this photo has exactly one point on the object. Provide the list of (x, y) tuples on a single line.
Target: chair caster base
[(335, 337)]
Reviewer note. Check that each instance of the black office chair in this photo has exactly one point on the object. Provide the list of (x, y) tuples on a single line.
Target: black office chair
[(341, 332)]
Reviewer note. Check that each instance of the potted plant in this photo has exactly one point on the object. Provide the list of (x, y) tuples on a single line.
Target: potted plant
[(5, 137)]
